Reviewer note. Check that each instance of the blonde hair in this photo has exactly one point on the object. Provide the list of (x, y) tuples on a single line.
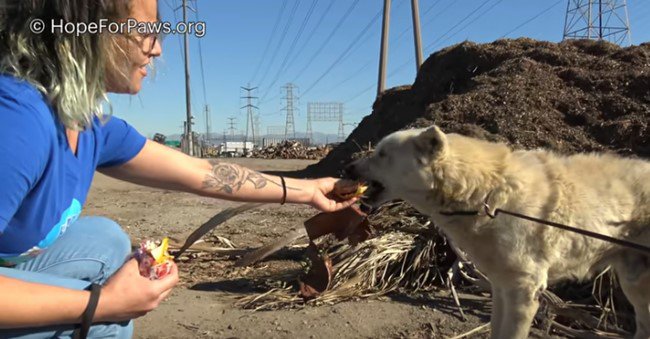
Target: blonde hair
[(69, 69)]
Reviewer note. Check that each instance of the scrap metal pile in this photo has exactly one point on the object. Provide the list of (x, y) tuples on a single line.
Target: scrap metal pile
[(289, 149)]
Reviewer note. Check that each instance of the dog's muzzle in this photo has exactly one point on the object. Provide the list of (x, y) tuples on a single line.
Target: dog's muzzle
[(371, 196), (350, 172), (375, 188)]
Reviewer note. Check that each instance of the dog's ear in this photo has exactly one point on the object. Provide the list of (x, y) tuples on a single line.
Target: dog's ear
[(430, 143)]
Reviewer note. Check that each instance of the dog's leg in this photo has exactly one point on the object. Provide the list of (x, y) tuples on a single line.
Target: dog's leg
[(520, 299), (634, 276), (496, 317)]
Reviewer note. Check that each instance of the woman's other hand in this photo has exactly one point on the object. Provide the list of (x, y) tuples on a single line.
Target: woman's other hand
[(128, 295)]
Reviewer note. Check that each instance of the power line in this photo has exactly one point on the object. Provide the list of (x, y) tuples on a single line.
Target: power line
[(405, 64), (360, 93), (350, 77), (345, 52), (274, 113), (313, 31), (327, 40), (322, 46), (301, 29), (409, 28), (284, 35), (196, 16), (531, 19), (458, 24), (268, 42), (368, 62), (408, 62), (180, 42), (472, 21), (441, 12), (356, 46)]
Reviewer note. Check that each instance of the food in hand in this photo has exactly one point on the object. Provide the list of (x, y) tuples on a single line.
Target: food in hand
[(349, 191), (153, 259)]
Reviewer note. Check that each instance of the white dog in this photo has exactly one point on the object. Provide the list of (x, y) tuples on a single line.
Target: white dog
[(439, 173)]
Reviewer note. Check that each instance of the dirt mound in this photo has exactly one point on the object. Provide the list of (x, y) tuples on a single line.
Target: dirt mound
[(575, 96)]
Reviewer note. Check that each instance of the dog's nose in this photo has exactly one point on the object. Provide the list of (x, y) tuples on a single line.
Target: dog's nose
[(350, 172)]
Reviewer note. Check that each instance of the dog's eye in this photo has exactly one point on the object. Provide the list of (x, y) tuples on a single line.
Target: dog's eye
[(382, 154)]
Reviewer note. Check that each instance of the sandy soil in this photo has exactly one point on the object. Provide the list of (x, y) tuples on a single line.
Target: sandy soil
[(203, 306)]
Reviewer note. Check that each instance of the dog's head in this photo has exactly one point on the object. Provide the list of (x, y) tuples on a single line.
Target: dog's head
[(400, 166)]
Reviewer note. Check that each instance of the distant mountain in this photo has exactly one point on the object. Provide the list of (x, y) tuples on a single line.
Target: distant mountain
[(318, 138)]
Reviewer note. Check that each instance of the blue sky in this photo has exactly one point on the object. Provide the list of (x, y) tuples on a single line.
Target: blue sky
[(238, 31)]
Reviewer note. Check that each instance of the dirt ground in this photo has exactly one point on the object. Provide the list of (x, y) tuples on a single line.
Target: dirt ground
[(203, 306)]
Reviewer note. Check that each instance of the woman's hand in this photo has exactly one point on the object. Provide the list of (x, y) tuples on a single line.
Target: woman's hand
[(326, 192), (128, 295)]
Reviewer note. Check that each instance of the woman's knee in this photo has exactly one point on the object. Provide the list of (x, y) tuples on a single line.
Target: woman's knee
[(91, 249), (107, 330), (109, 239), (108, 232)]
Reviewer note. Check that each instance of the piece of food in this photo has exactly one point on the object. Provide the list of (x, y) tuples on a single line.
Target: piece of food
[(154, 260), (348, 190)]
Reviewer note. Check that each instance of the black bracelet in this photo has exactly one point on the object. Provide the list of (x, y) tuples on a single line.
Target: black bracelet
[(284, 191), (81, 332)]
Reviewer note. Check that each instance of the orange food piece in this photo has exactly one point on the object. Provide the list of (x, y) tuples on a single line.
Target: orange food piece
[(359, 192)]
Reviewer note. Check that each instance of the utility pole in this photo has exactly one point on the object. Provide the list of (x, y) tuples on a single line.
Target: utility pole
[(290, 126), (417, 36), (208, 123), (250, 122), (383, 56), (188, 98)]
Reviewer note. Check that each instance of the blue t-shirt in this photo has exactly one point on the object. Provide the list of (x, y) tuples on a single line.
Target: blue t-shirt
[(43, 184)]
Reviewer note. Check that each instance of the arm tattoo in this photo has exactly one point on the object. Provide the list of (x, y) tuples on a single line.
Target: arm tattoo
[(230, 178)]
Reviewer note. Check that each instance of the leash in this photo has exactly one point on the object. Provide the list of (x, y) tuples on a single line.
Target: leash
[(486, 208)]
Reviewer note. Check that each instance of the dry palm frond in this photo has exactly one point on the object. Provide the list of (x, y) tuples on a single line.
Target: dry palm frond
[(394, 259), (473, 331), (408, 254), (215, 221)]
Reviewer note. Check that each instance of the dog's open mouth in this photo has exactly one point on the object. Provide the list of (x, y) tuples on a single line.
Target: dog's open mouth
[(371, 195)]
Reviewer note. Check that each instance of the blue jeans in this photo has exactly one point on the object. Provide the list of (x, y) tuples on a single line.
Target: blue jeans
[(90, 251)]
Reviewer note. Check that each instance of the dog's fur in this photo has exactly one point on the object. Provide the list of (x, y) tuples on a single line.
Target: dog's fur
[(437, 172)]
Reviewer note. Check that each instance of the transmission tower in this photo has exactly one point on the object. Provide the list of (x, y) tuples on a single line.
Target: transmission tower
[(231, 123), (325, 111), (598, 20), (250, 122), (290, 108)]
